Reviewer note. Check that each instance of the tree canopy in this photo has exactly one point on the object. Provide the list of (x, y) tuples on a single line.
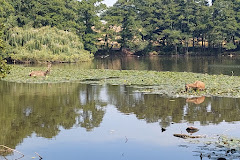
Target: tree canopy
[(176, 25), (141, 26)]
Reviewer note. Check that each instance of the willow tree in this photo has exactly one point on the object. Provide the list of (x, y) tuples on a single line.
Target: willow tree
[(46, 44)]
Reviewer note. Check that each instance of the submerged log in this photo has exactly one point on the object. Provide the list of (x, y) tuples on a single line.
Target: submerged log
[(184, 136)]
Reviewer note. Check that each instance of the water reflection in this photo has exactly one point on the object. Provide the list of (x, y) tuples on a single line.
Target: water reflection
[(208, 64), (44, 108), (204, 64), (196, 100)]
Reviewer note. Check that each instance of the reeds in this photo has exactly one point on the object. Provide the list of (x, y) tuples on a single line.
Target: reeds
[(46, 44)]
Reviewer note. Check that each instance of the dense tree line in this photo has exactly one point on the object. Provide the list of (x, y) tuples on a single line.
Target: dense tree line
[(176, 25), (139, 26), (70, 16)]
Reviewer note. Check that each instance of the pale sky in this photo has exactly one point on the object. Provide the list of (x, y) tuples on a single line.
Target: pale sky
[(109, 2)]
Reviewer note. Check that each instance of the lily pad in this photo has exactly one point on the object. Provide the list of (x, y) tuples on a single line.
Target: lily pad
[(153, 82)]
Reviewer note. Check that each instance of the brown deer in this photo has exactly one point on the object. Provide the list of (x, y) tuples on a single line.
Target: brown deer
[(41, 73), (198, 85), (196, 100)]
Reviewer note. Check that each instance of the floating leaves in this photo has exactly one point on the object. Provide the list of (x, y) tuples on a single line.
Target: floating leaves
[(223, 147), (154, 82)]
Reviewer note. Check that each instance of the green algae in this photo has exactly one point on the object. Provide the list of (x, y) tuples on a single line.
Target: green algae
[(153, 82)]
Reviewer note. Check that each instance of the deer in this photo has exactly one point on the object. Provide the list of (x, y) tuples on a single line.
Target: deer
[(197, 85), (41, 73)]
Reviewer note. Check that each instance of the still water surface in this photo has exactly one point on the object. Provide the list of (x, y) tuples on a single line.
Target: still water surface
[(103, 122)]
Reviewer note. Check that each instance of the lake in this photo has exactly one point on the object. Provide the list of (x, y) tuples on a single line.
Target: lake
[(110, 122)]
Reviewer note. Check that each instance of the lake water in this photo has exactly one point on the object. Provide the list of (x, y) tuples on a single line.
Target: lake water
[(70, 121)]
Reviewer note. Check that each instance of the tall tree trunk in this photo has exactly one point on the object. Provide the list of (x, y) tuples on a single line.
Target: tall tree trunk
[(176, 49), (233, 38), (193, 43)]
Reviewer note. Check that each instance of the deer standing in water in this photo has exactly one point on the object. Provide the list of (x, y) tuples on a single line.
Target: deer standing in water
[(198, 85), (41, 73)]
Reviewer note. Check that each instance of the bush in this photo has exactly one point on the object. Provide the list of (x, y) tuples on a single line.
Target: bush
[(4, 68), (46, 44)]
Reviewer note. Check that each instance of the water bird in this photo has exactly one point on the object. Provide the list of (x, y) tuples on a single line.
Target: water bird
[(163, 129)]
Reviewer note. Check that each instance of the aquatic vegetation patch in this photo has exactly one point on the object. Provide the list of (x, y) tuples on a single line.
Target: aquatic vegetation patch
[(154, 82), (220, 146)]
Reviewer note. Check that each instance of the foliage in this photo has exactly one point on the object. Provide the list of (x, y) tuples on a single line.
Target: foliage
[(77, 17), (146, 25), (166, 83), (58, 13), (89, 10), (46, 44), (2, 43), (6, 10), (4, 68), (181, 24)]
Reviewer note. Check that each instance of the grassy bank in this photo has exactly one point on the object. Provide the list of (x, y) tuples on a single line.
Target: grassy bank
[(166, 83)]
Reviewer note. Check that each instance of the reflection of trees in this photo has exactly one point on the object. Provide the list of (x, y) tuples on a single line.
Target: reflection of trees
[(214, 110), (92, 113), (211, 65), (156, 108), (151, 108), (44, 108)]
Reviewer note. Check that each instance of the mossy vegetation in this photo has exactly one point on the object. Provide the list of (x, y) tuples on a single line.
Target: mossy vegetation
[(166, 83), (46, 44)]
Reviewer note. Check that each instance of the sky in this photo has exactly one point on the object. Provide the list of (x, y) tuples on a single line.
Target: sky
[(111, 2)]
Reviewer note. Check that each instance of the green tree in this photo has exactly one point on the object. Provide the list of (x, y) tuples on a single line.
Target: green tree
[(2, 43), (203, 22), (6, 10), (225, 25), (173, 38), (4, 68), (188, 21), (88, 12), (125, 14)]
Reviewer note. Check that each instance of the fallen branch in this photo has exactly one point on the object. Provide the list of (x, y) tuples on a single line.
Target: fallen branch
[(12, 150), (126, 139), (186, 136), (38, 155)]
